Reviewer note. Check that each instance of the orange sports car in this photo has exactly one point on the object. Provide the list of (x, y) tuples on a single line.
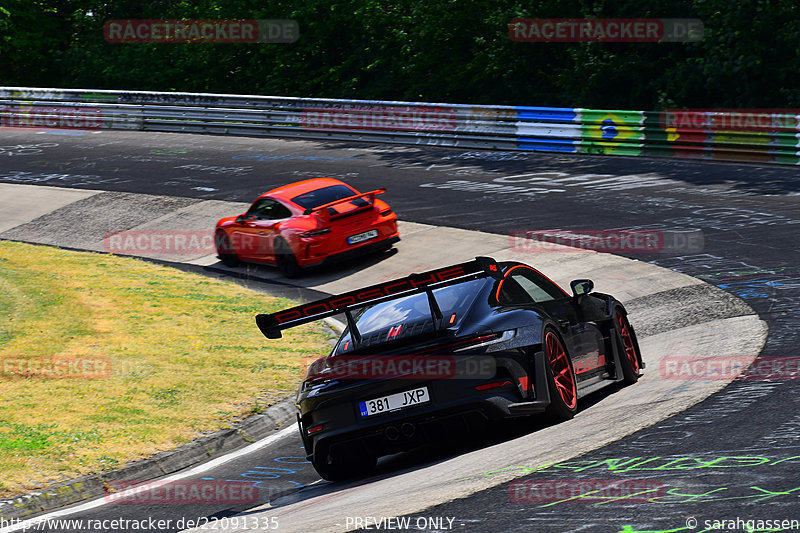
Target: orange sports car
[(306, 224)]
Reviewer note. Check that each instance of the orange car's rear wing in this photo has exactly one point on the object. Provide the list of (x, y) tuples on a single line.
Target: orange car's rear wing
[(324, 207), (272, 325)]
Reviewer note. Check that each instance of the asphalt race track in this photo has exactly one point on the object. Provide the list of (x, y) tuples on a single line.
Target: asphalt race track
[(732, 456)]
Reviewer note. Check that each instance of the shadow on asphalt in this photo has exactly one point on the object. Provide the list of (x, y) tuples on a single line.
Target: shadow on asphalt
[(753, 178), (433, 453), (269, 276)]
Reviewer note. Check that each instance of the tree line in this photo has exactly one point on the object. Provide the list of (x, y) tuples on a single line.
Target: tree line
[(455, 51)]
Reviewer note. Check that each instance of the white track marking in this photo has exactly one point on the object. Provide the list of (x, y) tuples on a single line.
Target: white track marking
[(199, 469)]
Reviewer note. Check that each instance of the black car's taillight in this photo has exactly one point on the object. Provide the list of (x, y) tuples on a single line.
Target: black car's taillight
[(494, 385), (483, 340)]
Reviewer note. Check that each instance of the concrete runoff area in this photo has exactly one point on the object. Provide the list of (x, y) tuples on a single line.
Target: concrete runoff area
[(22, 203), (722, 326)]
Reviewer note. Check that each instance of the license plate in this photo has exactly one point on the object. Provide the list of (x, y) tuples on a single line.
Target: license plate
[(361, 237), (393, 402)]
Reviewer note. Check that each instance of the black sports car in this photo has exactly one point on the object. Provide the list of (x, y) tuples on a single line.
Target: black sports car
[(452, 348)]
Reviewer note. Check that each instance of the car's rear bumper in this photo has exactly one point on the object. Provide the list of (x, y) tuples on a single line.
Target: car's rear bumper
[(455, 406), (409, 430), (517, 388), (346, 255)]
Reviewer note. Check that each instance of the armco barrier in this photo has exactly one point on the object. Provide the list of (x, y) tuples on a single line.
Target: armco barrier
[(766, 136)]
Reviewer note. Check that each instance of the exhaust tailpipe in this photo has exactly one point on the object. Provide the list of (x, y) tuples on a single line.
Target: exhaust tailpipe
[(392, 433)]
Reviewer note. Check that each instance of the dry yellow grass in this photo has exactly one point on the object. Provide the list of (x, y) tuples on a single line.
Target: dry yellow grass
[(105, 359)]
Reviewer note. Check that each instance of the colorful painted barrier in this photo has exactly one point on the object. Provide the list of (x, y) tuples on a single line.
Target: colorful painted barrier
[(761, 136)]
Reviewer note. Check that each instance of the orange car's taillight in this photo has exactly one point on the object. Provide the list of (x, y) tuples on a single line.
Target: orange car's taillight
[(316, 232)]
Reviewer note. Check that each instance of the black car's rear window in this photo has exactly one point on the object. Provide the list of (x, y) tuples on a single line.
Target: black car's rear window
[(411, 315), (313, 199)]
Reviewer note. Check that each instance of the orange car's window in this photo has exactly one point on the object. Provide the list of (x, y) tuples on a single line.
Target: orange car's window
[(280, 211), (322, 196), (268, 209)]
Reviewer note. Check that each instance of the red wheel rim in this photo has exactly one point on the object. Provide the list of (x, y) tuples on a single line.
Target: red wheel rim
[(627, 342), (562, 371)]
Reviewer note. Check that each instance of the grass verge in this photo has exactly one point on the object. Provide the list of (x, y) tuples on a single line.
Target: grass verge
[(105, 360)]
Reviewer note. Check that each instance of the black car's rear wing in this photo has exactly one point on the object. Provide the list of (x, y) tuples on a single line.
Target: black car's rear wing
[(272, 325)]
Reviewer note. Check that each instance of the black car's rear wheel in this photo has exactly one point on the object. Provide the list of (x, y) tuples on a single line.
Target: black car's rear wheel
[(629, 348), (287, 263), (225, 250), (336, 469), (560, 378)]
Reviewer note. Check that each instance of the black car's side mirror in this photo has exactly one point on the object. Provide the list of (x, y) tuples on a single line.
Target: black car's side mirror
[(581, 286)]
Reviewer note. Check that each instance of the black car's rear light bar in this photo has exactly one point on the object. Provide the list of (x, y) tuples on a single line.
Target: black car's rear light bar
[(271, 325)]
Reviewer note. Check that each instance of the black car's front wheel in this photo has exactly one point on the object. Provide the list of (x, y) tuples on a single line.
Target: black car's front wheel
[(628, 348), (561, 381)]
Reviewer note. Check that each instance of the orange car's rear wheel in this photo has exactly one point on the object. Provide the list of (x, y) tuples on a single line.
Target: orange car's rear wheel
[(287, 262), (225, 250)]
